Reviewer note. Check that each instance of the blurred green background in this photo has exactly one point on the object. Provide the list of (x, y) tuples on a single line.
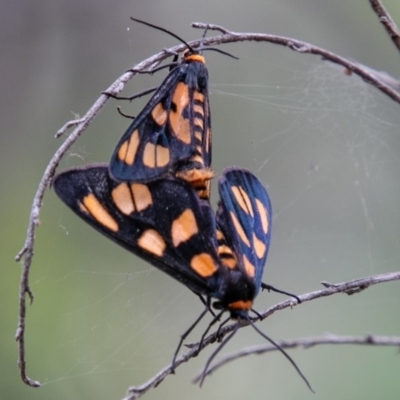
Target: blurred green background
[(326, 145)]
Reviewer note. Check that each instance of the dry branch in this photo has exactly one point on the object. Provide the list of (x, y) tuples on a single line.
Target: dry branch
[(307, 343), (351, 287)]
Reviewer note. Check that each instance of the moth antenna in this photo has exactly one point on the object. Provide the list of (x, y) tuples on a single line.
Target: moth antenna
[(202, 48), (283, 352), (191, 327), (216, 351), (265, 286), (183, 41), (220, 51), (165, 31)]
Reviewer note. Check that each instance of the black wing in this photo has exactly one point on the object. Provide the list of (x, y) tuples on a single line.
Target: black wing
[(245, 217), (172, 134), (163, 222)]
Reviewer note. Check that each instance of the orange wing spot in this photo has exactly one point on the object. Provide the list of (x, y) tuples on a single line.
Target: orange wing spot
[(141, 196), (195, 57), (220, 235), (155, 156), (243, 200), (83, 208), (122, 198), (223, 249), (240, 305), (179, 125), (229, 263), (198, 96), (184, 227), (99, 213), (151, 241), (203, 265), (183, 131), (198, 136), (263, 214), (239, 230), (149, 155), (159, 114), (135, 198), (199, 122), (122, 150), (162, 156), (181, 96), (198, 109), (248, 267), (198, 159), (228, 259), (128, 149), (259, 246), (208, 140)]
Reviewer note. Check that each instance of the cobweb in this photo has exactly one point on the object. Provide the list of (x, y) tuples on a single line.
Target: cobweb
[(326, 145)]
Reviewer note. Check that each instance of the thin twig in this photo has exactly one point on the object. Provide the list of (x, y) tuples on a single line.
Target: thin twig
[(68, 125), (81, 124), (387, 21), (344, 287), (306, 343), (302, 47)]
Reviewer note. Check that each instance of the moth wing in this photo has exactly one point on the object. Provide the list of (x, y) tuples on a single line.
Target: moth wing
[(244, 216), (163, 222)]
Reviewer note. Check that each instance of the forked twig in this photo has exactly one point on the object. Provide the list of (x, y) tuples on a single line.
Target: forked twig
[(365, 73)]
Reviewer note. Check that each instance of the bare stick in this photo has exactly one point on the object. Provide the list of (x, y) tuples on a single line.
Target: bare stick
[(27, 251), (344, 287), (306, 343), (387, 21), (301, 47), (68, 125)]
